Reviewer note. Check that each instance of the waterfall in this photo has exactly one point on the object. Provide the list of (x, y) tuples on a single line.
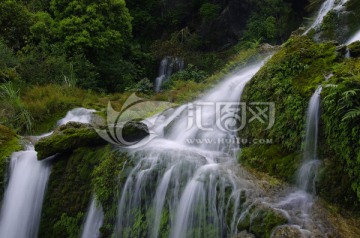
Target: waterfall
[(308, 170), (325, 8), (24, 194), (94, 220), (355, 37), (185, 189), (168, 66), (21, 208), (299, 203)]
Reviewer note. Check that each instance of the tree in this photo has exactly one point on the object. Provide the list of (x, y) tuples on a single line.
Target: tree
[(15, 20)]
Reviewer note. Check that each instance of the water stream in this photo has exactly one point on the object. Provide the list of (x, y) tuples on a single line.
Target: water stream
[(24, 194)]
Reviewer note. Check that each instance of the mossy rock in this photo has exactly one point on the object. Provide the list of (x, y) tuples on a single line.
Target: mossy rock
[(287, 232), (271, 159), (261, 220), (244, 234), (9, 143), (67, 138), (354, 49), (75, 178)]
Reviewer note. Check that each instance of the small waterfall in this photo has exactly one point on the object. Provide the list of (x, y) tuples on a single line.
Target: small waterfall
[(21, 208), (301, 201), (307, 173), (355, 37), (23, 198), (325, 8), (94, 220), (168, 66), (183, 189)]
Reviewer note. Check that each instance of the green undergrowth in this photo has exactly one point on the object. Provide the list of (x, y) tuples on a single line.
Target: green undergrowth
[(272, 160), (75, 177), (9, 143), (289, 79)]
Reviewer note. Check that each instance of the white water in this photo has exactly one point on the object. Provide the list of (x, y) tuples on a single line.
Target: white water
[(325, 8), (167, 66), (191, 188), (23, 198), (355, 37), (94, 221)]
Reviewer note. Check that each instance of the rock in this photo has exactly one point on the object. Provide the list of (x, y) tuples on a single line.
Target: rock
[(298, 32), (262, 219), (135, 131), (341, 49), (244, 234), (66, 138), (354, 49), (287, 232)]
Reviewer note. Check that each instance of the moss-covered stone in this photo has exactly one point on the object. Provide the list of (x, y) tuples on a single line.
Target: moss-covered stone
[(287, 232), (66, 138), (244, 234), (261, 220), (272, 160), (289, 79), (354, 49), (74, 178), (9, 143)]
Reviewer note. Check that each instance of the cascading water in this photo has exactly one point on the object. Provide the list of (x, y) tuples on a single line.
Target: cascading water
[(298, 203), (355, 37), (188, 189), (24, 194), (325, 8), (168, 66), (94, 220), (307, 173)]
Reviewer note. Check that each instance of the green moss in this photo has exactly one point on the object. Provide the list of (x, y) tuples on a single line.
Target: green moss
[(289, 79), (261, 220), (9, 143), (354, 49), (107, 180), (69, 192), (67, 138), (272, 160), (74, 178)]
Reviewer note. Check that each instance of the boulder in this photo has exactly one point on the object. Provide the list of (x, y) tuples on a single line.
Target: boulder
[(261, 220), (354, 49), (287, 232), (67, 138), (244, 234)]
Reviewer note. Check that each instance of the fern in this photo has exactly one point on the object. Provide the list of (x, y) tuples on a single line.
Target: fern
[(352, 114)]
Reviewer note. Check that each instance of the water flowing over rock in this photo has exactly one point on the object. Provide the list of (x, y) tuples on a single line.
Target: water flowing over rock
[(355, 37), (188, 190), (168, 66), (23, 199), (94, 220)]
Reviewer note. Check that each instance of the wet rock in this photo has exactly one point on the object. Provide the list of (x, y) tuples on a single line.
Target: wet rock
[(244, 234), (66, 138), (287, 232), (354, 49), (341, 50), (261, 219)]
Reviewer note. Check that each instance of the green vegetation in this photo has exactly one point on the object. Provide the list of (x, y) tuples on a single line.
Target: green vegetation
[(9, 143), (74, 178), (288, 80)]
